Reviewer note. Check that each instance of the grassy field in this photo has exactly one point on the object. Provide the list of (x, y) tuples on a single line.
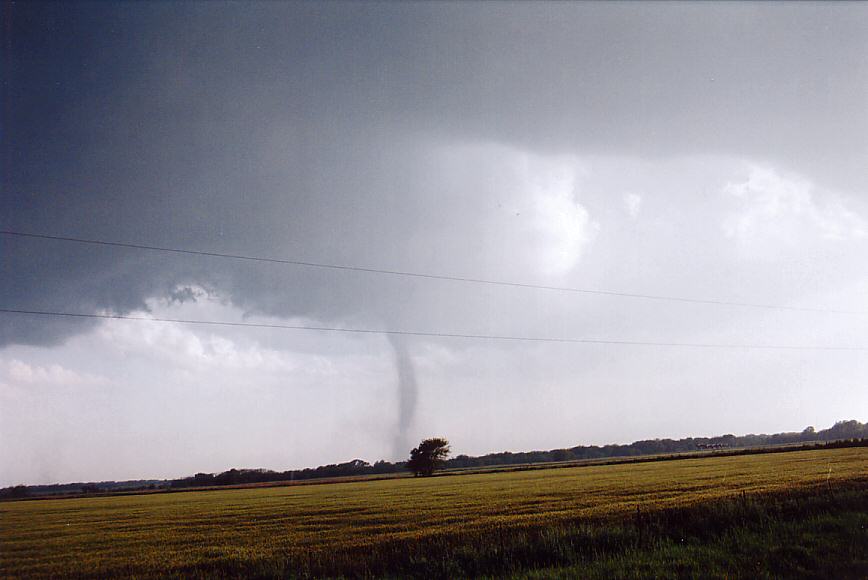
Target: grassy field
[(725, 516)]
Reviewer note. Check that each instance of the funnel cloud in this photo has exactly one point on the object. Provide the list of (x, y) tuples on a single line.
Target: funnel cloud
[(408, 394)]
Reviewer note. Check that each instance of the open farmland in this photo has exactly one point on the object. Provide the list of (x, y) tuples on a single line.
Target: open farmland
[(494, 523)]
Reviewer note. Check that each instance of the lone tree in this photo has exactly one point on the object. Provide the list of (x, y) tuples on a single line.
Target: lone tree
[(428, 456)]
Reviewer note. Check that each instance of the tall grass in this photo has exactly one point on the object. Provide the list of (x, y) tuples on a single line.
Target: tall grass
[(792, 514)]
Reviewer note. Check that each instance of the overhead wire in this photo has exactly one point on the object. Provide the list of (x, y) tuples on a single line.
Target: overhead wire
[(494, 337), (426, 275)]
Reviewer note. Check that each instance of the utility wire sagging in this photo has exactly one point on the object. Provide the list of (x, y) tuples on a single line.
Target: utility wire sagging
[(428, 276), (441, 334)]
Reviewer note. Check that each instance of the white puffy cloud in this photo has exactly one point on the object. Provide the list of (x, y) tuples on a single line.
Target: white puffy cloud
[(179, 398), (215, 349), (15, 372), (564, 226), (528, 208), (775, 207), (632, 204)]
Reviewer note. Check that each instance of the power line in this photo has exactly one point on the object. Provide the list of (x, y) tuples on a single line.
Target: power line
[(428, 276), (437, 334)]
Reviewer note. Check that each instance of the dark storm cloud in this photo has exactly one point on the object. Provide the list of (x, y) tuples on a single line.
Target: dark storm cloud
[(306, 130)]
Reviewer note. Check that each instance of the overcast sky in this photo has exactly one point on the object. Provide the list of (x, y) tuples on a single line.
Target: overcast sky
[(709, 151)]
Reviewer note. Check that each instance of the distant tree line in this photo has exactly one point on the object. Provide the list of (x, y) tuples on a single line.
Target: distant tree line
[(238, 476), (20, 491), (842, 430)]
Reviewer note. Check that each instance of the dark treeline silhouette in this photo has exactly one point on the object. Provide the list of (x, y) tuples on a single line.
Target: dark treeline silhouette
[(239, 476), (842, 430), (21, 491)]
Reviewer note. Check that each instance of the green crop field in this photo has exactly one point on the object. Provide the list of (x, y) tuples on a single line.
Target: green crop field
[(585, 521)]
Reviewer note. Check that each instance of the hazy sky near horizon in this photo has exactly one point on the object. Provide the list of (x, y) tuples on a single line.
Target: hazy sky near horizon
[(707, 150)]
